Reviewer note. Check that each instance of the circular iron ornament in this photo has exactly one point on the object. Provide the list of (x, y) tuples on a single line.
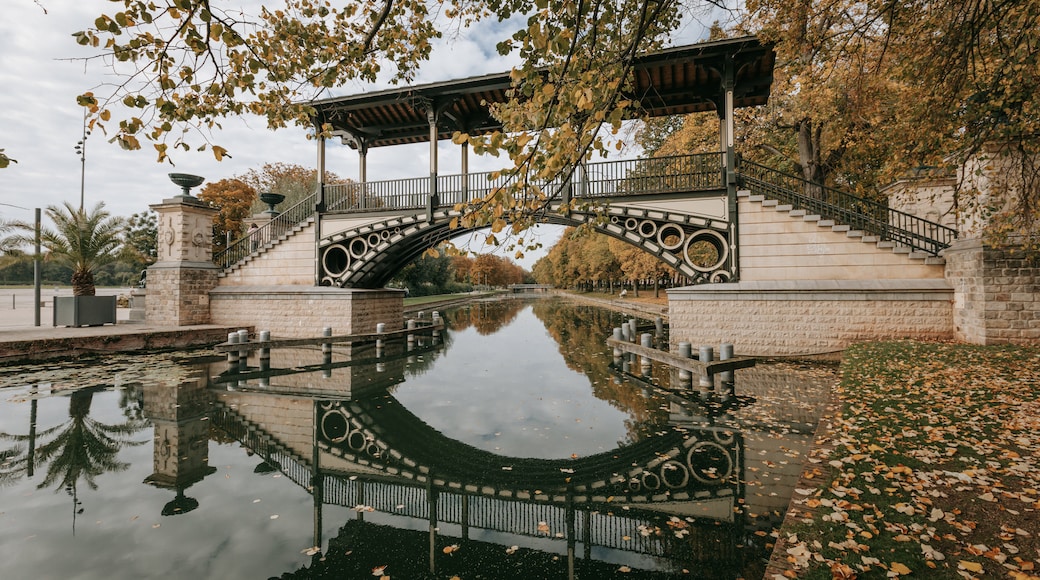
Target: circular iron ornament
[(335, 260), (373, 450), (724, 437), (650, 480), (675, 475), (634, 484), (631, 224), (668, 230), (709, 463), (356, 441), (397, 231), (325, 405), (334, 426), (374, 239), (715, 239), (327, 281), (647, 228), (384, 235), (615, 220), (719, 277), (358, 248)]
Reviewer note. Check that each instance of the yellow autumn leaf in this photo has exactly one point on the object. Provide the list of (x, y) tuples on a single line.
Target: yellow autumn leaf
[(969, 566), (899, 568)]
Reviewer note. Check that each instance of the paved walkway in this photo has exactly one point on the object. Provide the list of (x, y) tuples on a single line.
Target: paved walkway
[(21, 339)]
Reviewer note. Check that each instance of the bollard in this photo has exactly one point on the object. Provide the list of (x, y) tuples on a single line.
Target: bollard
[(659, 327), (422, 315), (232, 355), (624, 331), (326, 347), (647, 341), (265, 353), (685, 351), (243, 354), (618, 335), (633, 329), (707, 381), (411, 326), (726, 377), (380, 329)]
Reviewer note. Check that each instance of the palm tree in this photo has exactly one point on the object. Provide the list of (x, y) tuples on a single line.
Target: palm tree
[(84, 241)]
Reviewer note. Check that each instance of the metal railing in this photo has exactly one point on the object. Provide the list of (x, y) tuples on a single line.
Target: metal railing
[(859, 214), (267, 233), (656, 175), (673, 174)]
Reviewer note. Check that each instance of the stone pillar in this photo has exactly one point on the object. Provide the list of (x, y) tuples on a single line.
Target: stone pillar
[(996, 294), (180, 281)]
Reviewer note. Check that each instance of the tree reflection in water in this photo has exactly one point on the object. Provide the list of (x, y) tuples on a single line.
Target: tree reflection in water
[(79, 449)]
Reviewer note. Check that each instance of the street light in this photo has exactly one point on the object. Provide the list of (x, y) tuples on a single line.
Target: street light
[(36, 263), (81, 150)]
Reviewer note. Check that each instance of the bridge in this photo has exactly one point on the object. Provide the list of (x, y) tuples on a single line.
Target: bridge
[(764, 252)]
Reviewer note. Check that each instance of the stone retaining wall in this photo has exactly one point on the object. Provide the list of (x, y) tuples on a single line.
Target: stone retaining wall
[(995, 294), (298, 311), (814, 317)]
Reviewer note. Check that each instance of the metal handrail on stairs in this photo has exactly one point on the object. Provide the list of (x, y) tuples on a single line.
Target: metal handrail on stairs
[(859, 214), (267, 233)]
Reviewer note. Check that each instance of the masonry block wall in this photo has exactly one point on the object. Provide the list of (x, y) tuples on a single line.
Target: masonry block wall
[(179, 296), (291, 262), (996, 297), (289, 311), (803, 318)]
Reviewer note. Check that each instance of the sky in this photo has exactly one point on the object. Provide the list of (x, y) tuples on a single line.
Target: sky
[(42, 70)]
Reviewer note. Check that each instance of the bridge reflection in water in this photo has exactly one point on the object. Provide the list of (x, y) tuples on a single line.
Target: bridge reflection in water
[(674, 499)]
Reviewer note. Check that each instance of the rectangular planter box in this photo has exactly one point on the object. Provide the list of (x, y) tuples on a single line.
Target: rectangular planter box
[(84, 310)]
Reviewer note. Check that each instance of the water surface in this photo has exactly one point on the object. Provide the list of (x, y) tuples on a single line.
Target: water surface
[(513, 445)]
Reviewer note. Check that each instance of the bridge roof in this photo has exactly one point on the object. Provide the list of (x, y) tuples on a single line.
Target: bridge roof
[(674, 81)]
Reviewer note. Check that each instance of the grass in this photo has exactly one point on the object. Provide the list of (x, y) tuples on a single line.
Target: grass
[(931, 470)]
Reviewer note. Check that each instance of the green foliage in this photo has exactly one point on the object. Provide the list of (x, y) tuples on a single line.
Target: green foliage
[(140, 240), (85, 241), (293, 181)]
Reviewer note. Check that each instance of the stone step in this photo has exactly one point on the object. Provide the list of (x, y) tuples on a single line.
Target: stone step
[(770, 203), (811, 218), (869, 239), (935, 261), (757, 198), (840, 228), (743, 193), (854, 233), (825, 223), (900, 250), (886, 245), (785, 207), (798, 213)]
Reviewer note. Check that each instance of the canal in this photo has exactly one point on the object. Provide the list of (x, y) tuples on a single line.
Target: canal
[(511, 445)]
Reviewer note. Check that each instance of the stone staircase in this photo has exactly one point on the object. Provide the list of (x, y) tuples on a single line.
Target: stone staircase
[(260, 251), (830, 225)]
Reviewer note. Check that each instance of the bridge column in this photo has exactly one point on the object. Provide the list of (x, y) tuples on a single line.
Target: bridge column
[(434, 200), (180, 281)]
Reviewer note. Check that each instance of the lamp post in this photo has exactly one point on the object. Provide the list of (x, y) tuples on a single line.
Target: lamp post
[(81, 150), (36, 263)]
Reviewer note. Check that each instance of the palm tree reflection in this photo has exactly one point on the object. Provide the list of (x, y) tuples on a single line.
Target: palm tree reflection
[(82, 448)]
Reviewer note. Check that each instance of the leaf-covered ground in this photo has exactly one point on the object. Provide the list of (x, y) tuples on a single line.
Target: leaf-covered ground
[(930, 470)]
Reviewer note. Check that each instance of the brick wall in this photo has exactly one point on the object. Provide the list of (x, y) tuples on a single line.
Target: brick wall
[(995, 294), (289, 311), (786, 318), (178, 295)]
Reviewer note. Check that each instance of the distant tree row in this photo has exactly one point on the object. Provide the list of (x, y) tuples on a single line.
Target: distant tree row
[(585, 260), (443, 274), (82, 247)]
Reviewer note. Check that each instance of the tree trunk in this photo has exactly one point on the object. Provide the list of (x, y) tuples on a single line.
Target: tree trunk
[(83, 283)]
